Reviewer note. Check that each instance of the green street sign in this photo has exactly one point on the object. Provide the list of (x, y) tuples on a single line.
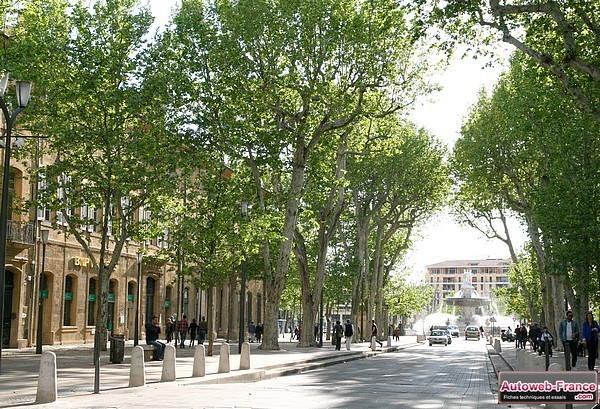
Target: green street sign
[(111, 297), (110, 326), (167, 303), (130, 297), (68, 296), (44, 293), (92, 297)]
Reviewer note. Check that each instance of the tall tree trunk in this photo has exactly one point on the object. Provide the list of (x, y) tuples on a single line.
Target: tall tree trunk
[(276, 282)]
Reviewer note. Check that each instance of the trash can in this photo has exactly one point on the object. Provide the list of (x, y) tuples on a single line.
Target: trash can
[(117, 348)]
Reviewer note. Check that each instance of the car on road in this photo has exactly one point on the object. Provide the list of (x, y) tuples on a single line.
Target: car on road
[(448, 335), (472, 332), (453, 330), (438, 336)]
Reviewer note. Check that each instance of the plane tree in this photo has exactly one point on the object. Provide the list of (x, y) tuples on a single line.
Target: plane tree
[(272, 82), (106, 153), (529, 150)]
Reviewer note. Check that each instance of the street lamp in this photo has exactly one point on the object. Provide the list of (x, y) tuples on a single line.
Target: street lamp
[(23, 94), (140, 256), (244, 209), (38, 342)]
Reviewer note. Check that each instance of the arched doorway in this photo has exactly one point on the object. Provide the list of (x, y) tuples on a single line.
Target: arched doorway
[(9, 283)]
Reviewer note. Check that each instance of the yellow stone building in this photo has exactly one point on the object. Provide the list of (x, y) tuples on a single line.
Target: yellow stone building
[(70, 283)]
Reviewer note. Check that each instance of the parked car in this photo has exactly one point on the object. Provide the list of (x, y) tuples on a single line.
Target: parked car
[(472, 332), (453, 330), (438, 336), (448, 335)]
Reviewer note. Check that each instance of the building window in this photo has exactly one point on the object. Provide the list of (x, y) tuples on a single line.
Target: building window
[(110, 316), (92, 301), (452, 271), (70, 297), (150, 289)]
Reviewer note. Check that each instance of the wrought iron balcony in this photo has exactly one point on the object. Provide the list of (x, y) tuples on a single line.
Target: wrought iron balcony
[(20, 233)]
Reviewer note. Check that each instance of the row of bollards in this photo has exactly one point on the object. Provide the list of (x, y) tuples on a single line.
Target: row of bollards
[(47, 381)]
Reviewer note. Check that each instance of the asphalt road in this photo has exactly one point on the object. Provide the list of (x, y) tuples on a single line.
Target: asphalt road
[(456, 376)]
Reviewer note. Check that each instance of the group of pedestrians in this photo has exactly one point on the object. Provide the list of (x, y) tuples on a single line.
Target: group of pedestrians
[(339, 331), (573, 337), (181, 332)]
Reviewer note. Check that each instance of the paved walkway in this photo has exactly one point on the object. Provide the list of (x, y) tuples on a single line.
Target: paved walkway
[(18, 382), (75, 369)]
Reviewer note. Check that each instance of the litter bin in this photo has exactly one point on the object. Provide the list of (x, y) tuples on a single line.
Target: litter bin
[(117, 348)]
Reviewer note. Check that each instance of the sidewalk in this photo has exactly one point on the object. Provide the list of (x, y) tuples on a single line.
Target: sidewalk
[(76, 371)]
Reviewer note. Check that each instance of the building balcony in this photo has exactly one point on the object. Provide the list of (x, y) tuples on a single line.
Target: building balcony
[(20, 234)]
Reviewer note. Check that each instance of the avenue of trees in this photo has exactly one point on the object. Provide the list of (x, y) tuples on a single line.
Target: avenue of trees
[(299, 108), (529, 151), (296, 107)]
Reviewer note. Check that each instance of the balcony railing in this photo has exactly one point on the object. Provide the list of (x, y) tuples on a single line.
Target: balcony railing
[(20, 233)]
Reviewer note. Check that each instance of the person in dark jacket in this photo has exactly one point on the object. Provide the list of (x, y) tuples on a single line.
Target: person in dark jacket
[(589, 338), (338, 333), (152, 333), (193, 330)]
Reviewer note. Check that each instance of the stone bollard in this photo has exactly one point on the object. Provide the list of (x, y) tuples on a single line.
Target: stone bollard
[(555, 367), (168, 368), (224, 358), (373, 344), (199, 361), (498, 345), (46, 390), (137, 371), (245, 357), (389, 343)]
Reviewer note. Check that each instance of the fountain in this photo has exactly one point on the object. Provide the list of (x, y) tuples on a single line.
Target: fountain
[(467, 298)]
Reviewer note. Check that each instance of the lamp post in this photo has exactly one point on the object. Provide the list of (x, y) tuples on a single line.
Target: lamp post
[(23, 94), (136, 333), (38, 342), (244, 208)]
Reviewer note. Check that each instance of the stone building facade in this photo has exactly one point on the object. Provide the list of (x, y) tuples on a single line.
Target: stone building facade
[(70, 285)]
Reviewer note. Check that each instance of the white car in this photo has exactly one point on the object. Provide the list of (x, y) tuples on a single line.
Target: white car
[(438, 336), (453, 330)]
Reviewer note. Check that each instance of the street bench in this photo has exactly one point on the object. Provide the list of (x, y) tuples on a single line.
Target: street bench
[(149, 351)]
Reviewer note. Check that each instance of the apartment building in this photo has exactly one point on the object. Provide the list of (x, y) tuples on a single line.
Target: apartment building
[(446, 277)]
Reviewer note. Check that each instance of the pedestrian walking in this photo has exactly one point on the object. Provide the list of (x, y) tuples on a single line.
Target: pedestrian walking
[(534, 334), (523, 337), (348, 333), (374, 332), (152, 333), (252, 330), (544, 339), (193, 330), (259, 332), (202, 330), (517, 337), (169, 330), (589, 338), (568, 331), (182, 328), (338, 333)]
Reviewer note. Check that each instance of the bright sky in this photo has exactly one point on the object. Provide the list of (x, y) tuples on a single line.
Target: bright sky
[(441, 239)]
